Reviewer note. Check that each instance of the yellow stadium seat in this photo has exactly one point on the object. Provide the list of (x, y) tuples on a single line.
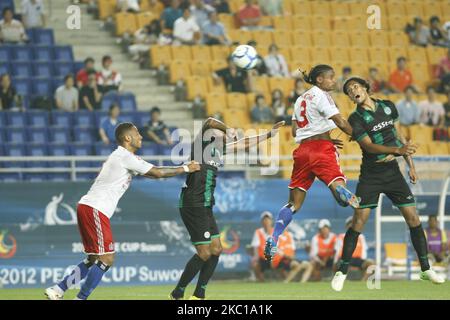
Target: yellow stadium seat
[(282, 37), (432, 8), (263, 38), (266, 21), (357, 23), (106, 8), (378, 38), (358, 54), (214, 87), (360, 39), (340, 8), (396, 253), (421, 74), (321, 38), (321, 8), (179, 70), (125, 23), (396, 8), (160, 55), (421, 134), (237, 100), (181, 53), (261, 86), (216, 65), (340, 39), (339, 54), (296, 65), (284, 84), (201, 53), (417, 54), (284, 50), (302, 38), (396, 52), (414, 8), (283, 23), (196, 86), (235, 5), (359, 67), (227, 20), (301, 22), (200, 68), (435, 54), (438, 148), (237, 118), (357, 8), (216, 102), (445, 8), (321, 23), (240, 36), (288, 7), (398, 38), (302, 8), (144, 18), (319, 55), (220, 52), (379, 55)]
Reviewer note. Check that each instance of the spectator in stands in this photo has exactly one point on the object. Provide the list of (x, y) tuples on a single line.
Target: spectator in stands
[(285, 258), (418, 33), (376, 83), (447, 110), (108, 125), (200, 11), (108, 79), (156, 130), (279, 105), (221, 6), (171, 14), (261, 112), (8, 94), (90, 95), (249, 16), (234, 79), (144, 38), (271, 7), (299, 89), (346, 73), (83, 74), (185, 29), (437, 34), (155, 7), (408, 109), (401, 78), (33, 14), (432, 112), (437, 241), (11, 30), (66, 96), (129, 5), (214, 32), (260, 68), (443, 73), (276, 63), (322, 248), (359, 257)]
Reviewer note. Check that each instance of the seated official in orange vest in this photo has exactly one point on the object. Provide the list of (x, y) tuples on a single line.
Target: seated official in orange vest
[(359, 257), (322, 248), (284, 260), (437, 241)]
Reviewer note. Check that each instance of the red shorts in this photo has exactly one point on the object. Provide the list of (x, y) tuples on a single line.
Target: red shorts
[(95, 231), (315, 158)]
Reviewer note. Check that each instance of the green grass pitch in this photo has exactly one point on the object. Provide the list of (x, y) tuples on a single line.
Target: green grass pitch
[(390, 290)]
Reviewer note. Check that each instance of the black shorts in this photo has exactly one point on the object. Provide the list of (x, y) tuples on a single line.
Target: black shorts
[(383, 178), (200, 223)]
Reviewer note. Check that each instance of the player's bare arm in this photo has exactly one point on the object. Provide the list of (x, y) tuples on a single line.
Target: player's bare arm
[(167, 172), (342, 124), (413, 177), (407, 149)]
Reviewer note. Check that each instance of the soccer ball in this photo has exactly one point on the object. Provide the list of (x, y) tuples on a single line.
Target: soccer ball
[(245, 57)]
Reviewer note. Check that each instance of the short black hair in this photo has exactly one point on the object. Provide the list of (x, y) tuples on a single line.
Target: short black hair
[(6, 9), (113, 105), (361, 81), (434, 19), (432, 216), (155, 109), (347, 69), (121, 131), (106, 58), (67, 77), (258, 96), (409, 88), (315, 72), (89, 59), (430, 87), (400, 59)]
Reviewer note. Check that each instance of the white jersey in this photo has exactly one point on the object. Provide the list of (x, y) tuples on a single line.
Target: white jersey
[(312, 112), (113, 180)]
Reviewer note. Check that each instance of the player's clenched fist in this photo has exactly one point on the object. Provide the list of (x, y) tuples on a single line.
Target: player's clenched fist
[(276, 127), (408, 149), (193, 166)]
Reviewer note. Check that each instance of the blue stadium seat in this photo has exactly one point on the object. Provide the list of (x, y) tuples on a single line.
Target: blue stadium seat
[(62, 119), (174, 133), (2, 119), (37, 135), (44, 37), (14, 150), (103, 150), (5, 53), (38, 119), (2, 137), (57, 82), (58, 176), (60, 135), (108, 99), (42, 87), (7, 4), (5, 67), (42, 69), (16, 135), (10, 177), (148, 149), (84, 119), (43, 53), (99, 116), (77, 66), (62, 69), (142, 119), (83, 134), (30, 35), (22, 53), (23, 86), (128, 117), (63, 53), (59, 150), (35, 150), (81, 149), (21, 69), (35, 177), (86, 176), (127, 101), (15, 119)]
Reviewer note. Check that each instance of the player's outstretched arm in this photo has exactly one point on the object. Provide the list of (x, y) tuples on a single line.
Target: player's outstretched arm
[(413, 177), (167, 172), (247, 142), (342, 124), (407, 149)]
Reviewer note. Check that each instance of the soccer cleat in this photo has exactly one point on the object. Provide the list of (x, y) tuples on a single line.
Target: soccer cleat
[(54, 293), (195, 298), (338, 281), (171, 297), (347, 196), (431, 275), (270, 249)]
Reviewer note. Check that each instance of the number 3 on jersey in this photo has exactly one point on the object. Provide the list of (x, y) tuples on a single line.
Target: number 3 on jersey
[(302, 120)]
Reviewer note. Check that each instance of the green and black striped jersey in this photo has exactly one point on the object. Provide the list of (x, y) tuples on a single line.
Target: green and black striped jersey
[(378, 126), (198, 190)]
